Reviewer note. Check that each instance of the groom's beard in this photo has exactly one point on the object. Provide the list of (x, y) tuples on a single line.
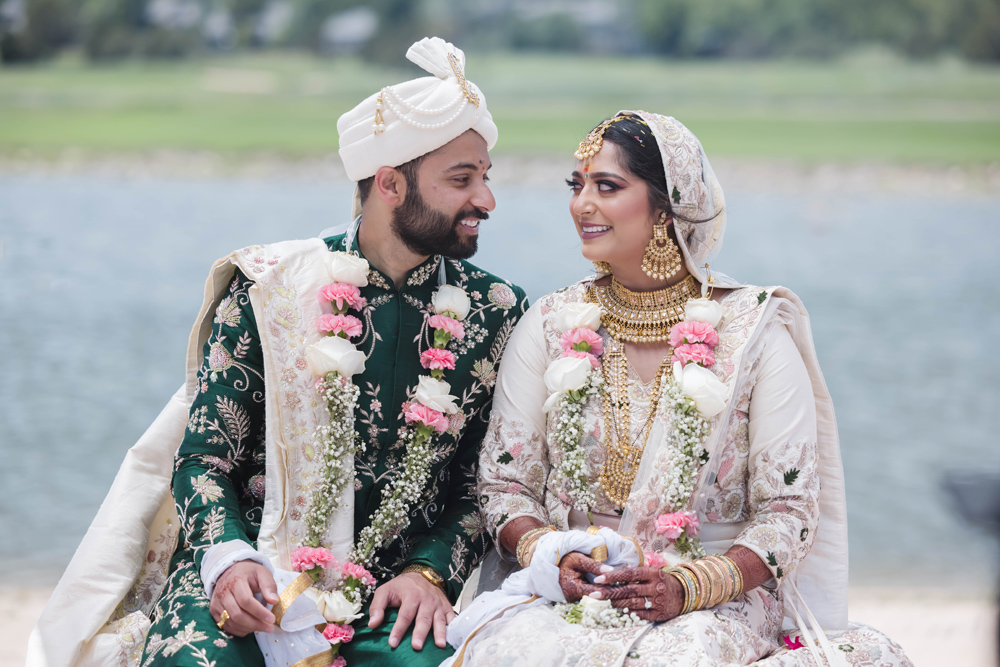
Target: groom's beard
[(426, 231)]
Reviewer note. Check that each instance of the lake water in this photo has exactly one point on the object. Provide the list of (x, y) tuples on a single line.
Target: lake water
[(102, 277)]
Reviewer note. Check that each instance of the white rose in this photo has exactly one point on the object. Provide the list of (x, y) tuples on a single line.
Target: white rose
[(335, 607), (347, 268), (334, 354), (704, 387), (563, 375), (703, 310), (594, 604), (576, 315), (453, 299), (436, 394)]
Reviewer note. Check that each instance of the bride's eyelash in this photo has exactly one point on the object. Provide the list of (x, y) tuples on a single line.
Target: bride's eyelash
[(571, 183)]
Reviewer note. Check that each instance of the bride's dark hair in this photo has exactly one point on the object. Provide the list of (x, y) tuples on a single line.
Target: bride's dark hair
[(639, 154)]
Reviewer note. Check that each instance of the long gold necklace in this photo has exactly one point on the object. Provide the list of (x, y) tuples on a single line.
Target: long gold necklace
[(623, 456), (642, 317)]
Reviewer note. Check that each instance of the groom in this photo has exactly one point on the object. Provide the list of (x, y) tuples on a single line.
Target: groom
[(419, 153)]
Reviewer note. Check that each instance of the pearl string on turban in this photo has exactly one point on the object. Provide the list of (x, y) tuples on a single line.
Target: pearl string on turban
[(416, 117)]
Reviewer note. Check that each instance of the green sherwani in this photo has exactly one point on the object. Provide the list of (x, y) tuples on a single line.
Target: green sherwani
[(219, 481)]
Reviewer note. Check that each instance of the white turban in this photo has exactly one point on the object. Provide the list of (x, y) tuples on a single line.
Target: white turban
[(417, 116)]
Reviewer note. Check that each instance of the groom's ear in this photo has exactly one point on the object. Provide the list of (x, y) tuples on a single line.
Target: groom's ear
[(390, 186)]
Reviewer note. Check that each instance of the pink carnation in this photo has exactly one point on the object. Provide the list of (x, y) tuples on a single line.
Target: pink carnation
[(435, 358), (343, 295), (336, 324), (306, 558), (672, 525), (693, 332), (339, 661), (699, 353), (654, 559), (583, 335), (449, 324), (336, 633), (358, 572), (584, 355), (515, 450), (418, 412)]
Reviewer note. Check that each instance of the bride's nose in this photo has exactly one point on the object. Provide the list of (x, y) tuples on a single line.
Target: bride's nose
[(582, 204)]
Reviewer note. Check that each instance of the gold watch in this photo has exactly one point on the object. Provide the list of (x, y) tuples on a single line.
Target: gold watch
[(430, 574)]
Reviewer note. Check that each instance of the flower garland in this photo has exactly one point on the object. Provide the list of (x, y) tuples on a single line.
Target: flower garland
[(571, 381), (335, 360), (692, 395)]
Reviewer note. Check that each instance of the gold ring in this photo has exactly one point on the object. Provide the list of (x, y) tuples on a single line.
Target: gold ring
[(223, 619)]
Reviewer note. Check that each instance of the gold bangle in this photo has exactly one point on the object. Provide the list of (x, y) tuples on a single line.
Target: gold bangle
[(527, 540), (642, 556), (684, 586), (721, 583), (690, 588), (704, 584), (600, 554), (737, 576)]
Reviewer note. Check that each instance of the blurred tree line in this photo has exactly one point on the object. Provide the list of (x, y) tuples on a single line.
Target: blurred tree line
[(112, 29)]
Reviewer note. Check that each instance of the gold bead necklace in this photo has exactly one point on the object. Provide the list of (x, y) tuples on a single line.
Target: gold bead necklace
[(642, 317)]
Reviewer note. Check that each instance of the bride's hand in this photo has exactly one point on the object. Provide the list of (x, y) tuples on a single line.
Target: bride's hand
[(649, 592), (573, 569)]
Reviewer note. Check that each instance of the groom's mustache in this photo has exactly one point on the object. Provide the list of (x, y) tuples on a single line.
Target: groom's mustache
[(474, 213)]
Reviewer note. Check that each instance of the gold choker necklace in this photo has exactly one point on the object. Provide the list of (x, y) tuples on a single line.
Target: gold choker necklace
[(642, 317)]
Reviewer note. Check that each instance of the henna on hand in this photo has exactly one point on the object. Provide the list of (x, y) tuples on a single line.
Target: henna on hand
[(573, 569), (630, 588)]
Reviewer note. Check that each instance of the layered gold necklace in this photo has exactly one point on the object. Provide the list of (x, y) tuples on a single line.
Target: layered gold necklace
[(642, 317), (623, 453)]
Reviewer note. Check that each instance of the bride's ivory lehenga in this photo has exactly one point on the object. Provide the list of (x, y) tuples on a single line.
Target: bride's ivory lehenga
[(773, 484)]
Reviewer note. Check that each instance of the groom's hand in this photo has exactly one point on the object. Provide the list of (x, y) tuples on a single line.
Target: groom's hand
[(234, 592), (417, 599)]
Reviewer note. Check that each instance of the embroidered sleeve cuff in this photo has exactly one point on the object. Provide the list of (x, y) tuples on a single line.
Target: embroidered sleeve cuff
[(218, 558)]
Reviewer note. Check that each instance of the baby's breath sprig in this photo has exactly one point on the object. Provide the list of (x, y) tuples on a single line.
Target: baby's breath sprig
[(568, 431), (339, 443)]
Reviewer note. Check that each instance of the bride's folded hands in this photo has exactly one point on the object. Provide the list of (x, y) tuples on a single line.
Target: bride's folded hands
[(653, 594), (573, 570)]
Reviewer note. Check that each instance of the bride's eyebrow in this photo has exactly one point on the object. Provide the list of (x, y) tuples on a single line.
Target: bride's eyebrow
[(605, 174)]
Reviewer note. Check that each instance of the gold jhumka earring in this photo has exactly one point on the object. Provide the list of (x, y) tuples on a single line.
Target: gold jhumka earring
[(663, 257), (602, 267)]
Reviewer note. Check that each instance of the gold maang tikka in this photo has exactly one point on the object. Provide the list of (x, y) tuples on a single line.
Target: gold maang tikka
[(663, 257), (592, 144)]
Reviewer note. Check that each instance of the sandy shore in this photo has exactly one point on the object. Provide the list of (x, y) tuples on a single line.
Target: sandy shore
[(745, 174), (935, 628)]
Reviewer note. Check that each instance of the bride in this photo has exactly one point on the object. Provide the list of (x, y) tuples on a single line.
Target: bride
[(662, 459)]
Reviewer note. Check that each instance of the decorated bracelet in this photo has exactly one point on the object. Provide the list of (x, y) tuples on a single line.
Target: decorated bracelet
[(526, 544), (708, 582)]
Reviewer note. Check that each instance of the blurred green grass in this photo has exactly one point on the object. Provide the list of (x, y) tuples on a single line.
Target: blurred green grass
[(852, 110)]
